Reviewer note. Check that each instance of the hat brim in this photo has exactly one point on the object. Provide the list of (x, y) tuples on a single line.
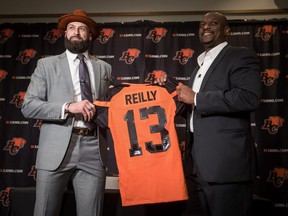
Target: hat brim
[(66, 19)]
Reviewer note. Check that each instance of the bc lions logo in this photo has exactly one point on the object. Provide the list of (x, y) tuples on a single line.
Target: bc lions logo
[(18, 99), (272, 124), (105, 35), (157, 34), (154, 75), (26, 55), (269, 76), (52, 36), (130, 55), (278, 176), (5, 34), (3, 74), (14, 145), (33, 172), (4, 197), (266, 32), (184, 55)]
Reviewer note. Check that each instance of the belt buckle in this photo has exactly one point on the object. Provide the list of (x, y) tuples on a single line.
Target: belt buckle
[(83, 131)]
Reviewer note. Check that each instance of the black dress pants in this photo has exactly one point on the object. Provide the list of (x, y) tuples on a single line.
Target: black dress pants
[(216, 199)]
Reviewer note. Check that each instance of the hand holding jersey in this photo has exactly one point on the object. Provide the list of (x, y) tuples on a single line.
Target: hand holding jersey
[(141, 120)]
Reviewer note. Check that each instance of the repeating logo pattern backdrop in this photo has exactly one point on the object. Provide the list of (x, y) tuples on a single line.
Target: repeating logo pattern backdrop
[(135, 50)]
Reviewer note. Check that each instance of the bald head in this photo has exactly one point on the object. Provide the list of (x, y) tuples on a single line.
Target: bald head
[(213, 29), (220, 17)]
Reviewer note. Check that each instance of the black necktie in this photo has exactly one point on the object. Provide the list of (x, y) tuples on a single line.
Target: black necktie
[(85, 85), (84, 78)]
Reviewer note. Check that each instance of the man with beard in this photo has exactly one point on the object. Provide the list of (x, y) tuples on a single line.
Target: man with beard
[(70, 146)]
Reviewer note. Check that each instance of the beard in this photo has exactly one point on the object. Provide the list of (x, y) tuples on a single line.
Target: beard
[(76, 47)]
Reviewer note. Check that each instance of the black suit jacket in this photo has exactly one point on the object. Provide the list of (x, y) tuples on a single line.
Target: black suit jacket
[(223, 147)]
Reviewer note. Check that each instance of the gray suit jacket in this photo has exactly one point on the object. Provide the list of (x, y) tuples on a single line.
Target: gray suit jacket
[(222, 138), (50, 87)]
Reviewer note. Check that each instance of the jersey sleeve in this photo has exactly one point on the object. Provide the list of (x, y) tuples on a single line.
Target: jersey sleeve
[(102, 105), (171, 84)]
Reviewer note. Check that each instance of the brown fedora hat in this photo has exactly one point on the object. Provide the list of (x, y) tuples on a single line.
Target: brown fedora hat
[(78, 16)]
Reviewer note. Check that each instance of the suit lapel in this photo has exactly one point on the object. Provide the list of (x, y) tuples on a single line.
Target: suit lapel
[(65, 71), (97, 75), (213, 65)]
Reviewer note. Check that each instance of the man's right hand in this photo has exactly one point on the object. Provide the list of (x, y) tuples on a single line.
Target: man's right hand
[(185, 94), (86, 108)]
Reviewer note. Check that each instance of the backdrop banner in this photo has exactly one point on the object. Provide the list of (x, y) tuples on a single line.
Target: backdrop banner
[(135, 50)]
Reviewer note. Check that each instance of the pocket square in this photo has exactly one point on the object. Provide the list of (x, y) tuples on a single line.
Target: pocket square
[(106, 78)]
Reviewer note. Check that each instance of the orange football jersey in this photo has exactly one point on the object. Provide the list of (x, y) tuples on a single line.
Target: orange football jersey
[(141, 121)]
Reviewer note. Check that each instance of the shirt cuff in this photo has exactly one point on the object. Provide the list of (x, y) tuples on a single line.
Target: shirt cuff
[(63, 113)]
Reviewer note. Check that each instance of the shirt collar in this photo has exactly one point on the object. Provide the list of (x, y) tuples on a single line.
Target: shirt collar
[(211, 53), (73, 56)]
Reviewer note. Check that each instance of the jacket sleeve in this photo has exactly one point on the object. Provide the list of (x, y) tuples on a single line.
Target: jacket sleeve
[(36, 104)]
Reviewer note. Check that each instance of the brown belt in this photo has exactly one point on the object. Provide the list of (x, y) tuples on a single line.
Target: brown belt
[(84, 131)]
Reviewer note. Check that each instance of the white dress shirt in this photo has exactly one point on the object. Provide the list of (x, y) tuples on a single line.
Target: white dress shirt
[(74, 62), (204, 60)]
